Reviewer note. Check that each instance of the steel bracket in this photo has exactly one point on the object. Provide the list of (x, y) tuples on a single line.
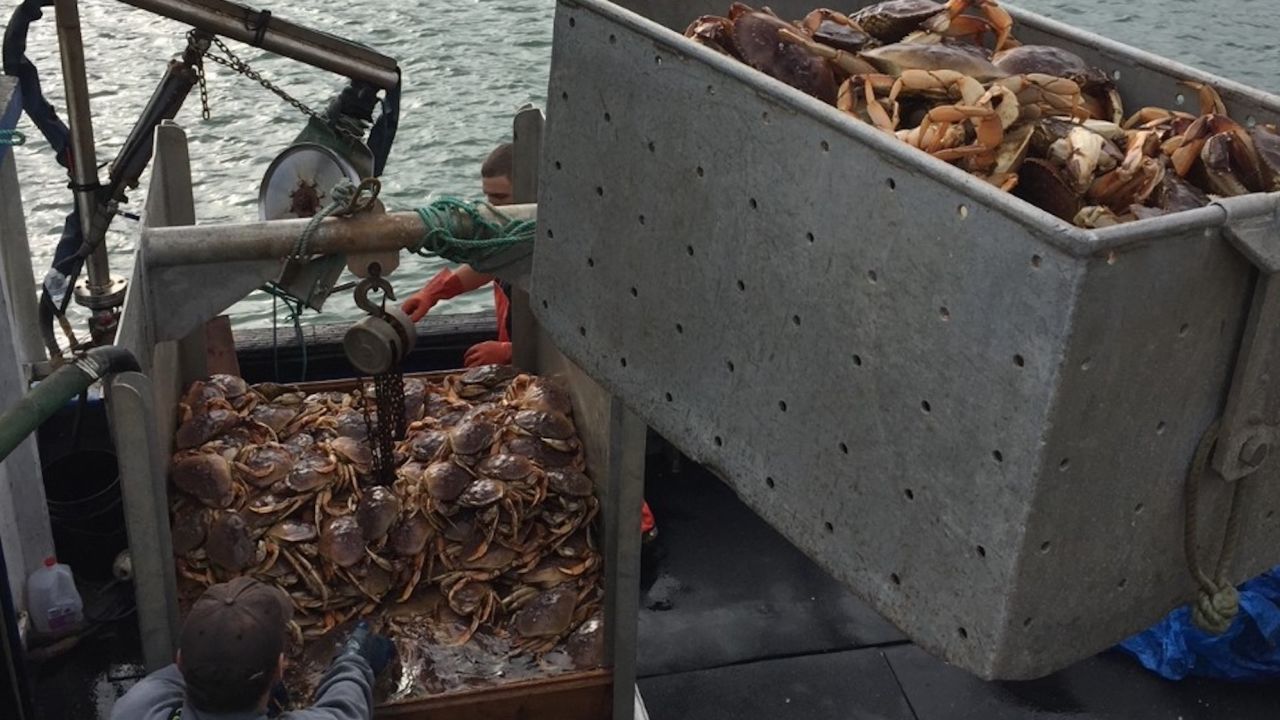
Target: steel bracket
[(1251, 420)]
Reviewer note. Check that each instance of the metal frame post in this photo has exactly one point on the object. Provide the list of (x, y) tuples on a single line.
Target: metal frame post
[(526, 148), (146, 510)]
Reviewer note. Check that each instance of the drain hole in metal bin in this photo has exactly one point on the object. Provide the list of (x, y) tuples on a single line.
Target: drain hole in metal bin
[(1115, 74), (669, 398), (545, 305), (657, 59), (999, 456), (572, 22), (782, 405), (652, 147), (769, 481), (623, 361), (742, 286), (729, 364), (964, 634), (550, 234), (1035, 261), (1122, 583), (844, 448), (808, 236), (1179, 99), (1026, 623), (857, 360), (909, 493), (689, 249), (871, 275), (558, 165), (679, 328), (795, 319), (641, 218), (893, 578), (1137, 509), (826, 146), (1182, 331), (718, 441), (564, 94), (582, 331), (1160, 427), (635, 292), (700, 171), (893, 184), (608, 117), (1066, 463), (830, 528), (982, 552), (1270, 514), (964, 211), (599, 191), (1019, 360), (613, 39), (925, 406), (944, 313), (591, 262), (1044, 546), (752, 202)]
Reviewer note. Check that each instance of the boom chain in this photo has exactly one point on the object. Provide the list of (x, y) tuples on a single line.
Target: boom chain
[(233, 62)]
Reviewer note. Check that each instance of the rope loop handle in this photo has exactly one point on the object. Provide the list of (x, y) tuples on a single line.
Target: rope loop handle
[(1217, 602), (12, 137)]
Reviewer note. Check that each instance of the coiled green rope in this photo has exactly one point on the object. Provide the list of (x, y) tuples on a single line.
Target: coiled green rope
[(12, 137), (487, 246)]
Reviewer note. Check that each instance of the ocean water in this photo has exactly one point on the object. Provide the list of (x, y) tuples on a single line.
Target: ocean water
[(468, 65)]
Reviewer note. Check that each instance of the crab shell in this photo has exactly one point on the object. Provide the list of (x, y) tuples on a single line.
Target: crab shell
[(756, 36), (205, 475)]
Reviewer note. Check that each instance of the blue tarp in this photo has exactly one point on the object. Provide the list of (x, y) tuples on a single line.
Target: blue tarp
[(1249, 651)]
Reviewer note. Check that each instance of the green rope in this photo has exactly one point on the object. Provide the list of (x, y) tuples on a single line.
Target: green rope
[(458, 232), (12, 137), (345, 199)]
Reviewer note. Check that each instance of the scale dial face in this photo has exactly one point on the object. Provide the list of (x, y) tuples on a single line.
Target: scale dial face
[(298, 181)]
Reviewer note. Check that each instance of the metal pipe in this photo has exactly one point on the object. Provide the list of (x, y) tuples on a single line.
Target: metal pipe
[(80, 122), (275, 239), (53, 392), (279, 36)]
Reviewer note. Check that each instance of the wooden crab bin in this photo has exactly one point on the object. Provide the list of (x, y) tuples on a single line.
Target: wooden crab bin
[(567, 695), (170, 304)]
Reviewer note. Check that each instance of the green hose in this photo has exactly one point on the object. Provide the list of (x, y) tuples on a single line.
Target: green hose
[(55, 391)]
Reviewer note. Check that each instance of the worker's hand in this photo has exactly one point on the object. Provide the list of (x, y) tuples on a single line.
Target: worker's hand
[(375, 649), (490, 352), (443, 286)]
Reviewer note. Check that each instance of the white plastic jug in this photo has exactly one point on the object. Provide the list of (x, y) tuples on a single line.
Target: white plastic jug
[(52, 599)]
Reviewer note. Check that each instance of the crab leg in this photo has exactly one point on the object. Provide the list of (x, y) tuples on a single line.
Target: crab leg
[(846, 61)]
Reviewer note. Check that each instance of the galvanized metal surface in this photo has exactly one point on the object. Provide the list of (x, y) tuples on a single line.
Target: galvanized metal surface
[(26, 538), (975, 415)]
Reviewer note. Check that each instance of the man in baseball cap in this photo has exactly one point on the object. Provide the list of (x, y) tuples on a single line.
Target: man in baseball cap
[(231, 655)]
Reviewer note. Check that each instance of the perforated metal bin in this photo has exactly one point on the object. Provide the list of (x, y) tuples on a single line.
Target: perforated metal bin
[(977, 416)]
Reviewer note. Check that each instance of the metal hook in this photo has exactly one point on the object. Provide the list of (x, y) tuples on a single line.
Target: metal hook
[(374, 281)]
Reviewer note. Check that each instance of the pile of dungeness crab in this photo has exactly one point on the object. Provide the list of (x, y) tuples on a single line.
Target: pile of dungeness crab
[(1036, 120), (490, 512)]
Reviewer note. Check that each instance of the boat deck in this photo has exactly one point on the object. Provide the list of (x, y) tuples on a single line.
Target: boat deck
[(736, 623)]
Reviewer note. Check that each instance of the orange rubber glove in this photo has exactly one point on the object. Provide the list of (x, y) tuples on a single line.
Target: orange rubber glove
[(443, 286), (490, 352)]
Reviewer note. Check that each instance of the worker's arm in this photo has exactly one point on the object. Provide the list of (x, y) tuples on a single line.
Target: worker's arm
[(155, 697), (470, 279), (345, 692), (445, 285)]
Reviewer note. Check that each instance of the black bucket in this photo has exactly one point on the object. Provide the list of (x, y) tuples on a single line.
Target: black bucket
[(85, 510)]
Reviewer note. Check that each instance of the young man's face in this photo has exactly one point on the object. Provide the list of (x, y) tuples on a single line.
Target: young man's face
[(497, 190)]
